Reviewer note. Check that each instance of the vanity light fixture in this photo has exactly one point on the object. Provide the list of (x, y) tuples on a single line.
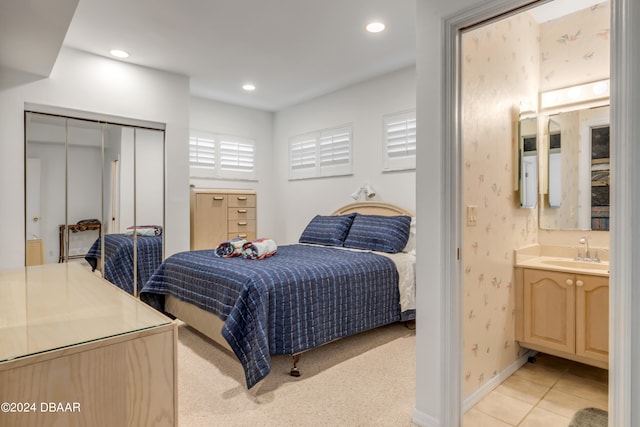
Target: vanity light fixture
[(587, 92), (375, 27), (600, 88), (249, 87), (368, 191), (119, 53)]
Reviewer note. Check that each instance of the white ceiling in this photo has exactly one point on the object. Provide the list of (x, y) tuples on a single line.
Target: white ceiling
[(292, 50)]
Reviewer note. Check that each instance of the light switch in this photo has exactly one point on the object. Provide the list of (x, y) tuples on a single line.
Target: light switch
[(472, 215)]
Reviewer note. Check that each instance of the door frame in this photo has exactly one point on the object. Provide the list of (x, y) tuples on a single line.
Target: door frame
[(625, 105)]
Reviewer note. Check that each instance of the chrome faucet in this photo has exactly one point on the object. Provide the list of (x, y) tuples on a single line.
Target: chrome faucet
[(584, 240)]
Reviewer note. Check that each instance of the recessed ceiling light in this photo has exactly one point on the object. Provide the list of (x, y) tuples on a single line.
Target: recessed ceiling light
[(118, 53), (375, 27), (249, 87)]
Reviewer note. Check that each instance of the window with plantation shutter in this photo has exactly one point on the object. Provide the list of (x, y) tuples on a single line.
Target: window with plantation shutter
[(236, 155), (303, 153), (399, 145), (202, 152), (321, 153), (221, 156)]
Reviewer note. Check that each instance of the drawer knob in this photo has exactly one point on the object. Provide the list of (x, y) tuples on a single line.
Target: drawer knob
[(242, 198), (579, 283), (242, 211), (242, 223), (569, 282), (218, 197)]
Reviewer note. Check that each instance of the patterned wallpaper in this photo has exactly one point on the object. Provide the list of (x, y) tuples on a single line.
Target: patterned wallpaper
[(500, 69), (575, 49), (505, 63)]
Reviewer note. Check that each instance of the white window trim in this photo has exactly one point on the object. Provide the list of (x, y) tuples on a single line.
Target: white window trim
[(219, 171), (340, 163), (401, 162)]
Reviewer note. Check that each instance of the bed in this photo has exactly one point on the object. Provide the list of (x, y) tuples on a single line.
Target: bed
[(304, 296), (119, 259)]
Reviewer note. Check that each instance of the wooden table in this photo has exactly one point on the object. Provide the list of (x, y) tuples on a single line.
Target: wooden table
[(76, 350)]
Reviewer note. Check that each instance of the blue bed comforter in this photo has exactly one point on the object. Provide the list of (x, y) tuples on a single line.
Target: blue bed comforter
[(300, 298), (118, 264)]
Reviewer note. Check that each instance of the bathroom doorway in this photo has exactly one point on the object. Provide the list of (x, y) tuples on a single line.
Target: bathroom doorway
[(506, 65)]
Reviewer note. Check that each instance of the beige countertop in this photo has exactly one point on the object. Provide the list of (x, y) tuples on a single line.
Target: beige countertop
[(561, 258)]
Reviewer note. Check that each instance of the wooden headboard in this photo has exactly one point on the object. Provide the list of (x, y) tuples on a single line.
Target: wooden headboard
[(373, 208)]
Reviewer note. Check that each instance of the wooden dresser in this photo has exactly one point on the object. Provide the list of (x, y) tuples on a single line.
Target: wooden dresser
[(77, 351), (219, 215)]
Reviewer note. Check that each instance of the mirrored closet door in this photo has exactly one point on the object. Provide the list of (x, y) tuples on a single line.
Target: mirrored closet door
[(94, 194)]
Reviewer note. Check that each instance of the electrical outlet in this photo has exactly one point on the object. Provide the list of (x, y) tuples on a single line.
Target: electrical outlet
[(472, 215)]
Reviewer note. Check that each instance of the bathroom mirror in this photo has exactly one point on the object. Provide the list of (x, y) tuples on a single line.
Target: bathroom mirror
[(88, 179), (577, 171), (554, 163), (528, 159)]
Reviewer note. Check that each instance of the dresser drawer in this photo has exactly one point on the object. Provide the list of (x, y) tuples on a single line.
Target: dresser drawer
[(242, 201), (241, 213), (238, 226), (246, 235)]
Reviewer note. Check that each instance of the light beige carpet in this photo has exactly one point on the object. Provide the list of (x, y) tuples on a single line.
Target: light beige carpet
[(364, 380)]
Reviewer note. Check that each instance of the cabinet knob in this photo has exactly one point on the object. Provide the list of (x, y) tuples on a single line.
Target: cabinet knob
[(579, 283), (569, 282), (218, 197)]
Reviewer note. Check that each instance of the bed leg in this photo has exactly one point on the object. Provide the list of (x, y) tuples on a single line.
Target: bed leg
[(294, 371)]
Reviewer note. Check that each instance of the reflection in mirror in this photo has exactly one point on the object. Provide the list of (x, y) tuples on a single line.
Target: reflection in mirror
[(84, 189), (149, 204), (63, 187), (92, 190), (578, 171), (132, 245), (528, 164), (555, 164)]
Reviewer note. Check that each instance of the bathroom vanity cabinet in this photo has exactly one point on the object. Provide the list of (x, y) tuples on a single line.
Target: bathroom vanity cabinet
[(563, 313)]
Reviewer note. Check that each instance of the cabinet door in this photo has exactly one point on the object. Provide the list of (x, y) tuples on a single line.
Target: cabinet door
[(549, 309), (210, 221), (592, 317)]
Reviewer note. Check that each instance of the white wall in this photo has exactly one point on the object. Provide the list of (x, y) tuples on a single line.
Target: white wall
[(227, 119), (95, 84), (363, 105)]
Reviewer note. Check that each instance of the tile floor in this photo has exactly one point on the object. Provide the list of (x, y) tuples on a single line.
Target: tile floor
[(545, 393)]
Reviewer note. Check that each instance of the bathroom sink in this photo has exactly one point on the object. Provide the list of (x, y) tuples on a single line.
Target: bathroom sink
[(598, 266)]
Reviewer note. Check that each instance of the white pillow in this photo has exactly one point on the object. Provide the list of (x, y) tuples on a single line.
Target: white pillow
[(411, 243)]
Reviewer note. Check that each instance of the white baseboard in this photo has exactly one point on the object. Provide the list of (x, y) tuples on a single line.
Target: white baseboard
[(424, 420), (494, 382)]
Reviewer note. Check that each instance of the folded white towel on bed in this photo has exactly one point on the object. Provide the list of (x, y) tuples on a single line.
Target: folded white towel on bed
[(230, 248), (259, 249), (144, 230)]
